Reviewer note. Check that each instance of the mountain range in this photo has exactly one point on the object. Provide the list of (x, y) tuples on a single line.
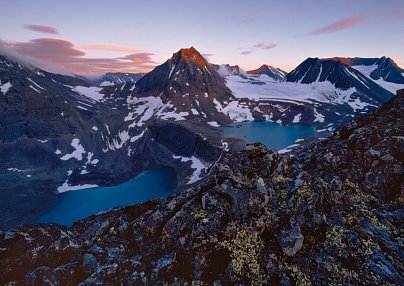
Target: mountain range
[(61, 133), (331, 214)]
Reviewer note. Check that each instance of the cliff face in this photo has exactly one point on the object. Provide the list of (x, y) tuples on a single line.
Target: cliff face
[(330, 215)]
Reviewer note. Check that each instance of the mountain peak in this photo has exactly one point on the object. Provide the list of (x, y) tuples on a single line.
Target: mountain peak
[(189, 54), (270, 71)]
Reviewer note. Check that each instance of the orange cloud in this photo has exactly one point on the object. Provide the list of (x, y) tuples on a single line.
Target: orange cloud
[(42, 29), (58, 55), (339, 26), (110, 47)]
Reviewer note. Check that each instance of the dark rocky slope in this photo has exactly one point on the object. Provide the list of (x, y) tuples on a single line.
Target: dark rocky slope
[(330, 215)]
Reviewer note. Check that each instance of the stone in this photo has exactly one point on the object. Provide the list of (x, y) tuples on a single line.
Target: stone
[(291, 240)]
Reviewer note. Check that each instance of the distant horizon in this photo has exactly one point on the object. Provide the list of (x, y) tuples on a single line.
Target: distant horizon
[(136, 36)]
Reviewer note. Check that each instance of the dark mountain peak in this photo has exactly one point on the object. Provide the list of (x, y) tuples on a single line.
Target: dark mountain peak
[(189, 83), (341, 75), (388, 70), (386, 61), (189, 55)]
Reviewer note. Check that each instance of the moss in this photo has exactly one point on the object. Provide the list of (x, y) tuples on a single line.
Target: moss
[(199, 214), (303, 194), (279, 179), (244, 250), (335, 237), (297, 274)]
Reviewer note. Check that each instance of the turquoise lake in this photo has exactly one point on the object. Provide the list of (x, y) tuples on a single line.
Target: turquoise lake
[(75, 205), (273, 135)]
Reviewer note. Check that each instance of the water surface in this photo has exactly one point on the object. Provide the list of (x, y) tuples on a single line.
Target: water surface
[(273, 135), (75, 205)]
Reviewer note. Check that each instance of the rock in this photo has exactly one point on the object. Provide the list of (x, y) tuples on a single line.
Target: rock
[(291, 240), (165, 262), (379, 264), (89, 263)]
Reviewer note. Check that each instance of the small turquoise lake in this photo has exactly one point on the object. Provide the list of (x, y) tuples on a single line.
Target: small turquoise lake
[(75, 205), (273, 135)]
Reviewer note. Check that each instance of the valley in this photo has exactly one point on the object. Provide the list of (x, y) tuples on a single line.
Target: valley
[(86, 136)]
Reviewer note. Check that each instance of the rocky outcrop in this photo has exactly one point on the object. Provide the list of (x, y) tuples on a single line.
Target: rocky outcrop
[(329, 215)]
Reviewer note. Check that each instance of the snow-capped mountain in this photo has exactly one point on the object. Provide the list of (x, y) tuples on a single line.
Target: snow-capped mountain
[(275, 73), (226, 70), (115, 78), (320, 92), (188, 86), (383, 68), (341, 76)]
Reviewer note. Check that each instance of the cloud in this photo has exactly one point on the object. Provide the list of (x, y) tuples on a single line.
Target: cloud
[(246, 53), (62, 56), (265, 46), (110, 47), (339, 26), (247, 21), (42, 29), (207, 56)]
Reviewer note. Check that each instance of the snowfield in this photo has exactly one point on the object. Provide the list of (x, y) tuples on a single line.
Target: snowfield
[(92, 92)]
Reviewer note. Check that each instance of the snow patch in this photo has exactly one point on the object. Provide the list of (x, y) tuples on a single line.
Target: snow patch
[(5, 87), (77, 153), (197, 165), (213, 123), (297, 118), (92, 92)]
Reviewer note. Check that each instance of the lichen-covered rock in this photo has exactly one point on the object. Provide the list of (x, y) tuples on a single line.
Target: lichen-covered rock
[(330, 215), (291, 240)]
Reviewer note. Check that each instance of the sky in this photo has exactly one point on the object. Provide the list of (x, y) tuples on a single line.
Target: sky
[(96, 36)]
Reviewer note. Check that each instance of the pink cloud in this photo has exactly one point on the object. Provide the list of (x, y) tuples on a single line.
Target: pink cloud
[(339, 26), (265, 46), (246, 53), (42, 29), (58, 55), (110, 47)]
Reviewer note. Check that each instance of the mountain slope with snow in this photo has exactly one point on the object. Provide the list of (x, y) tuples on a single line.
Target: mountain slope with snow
[(275, 73)]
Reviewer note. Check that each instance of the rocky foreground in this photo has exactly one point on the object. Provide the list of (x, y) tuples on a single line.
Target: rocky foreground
[(330, 215)]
